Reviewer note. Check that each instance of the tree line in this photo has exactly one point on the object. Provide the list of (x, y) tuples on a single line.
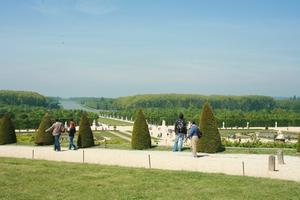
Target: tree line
[(233, 110), (11, 97), (27, 108)]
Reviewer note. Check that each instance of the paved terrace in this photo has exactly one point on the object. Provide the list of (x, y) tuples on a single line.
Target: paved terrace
[(254, 165)]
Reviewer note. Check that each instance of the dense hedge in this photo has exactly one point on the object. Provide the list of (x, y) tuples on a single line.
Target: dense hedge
[(85, 134), (140, 135), (258, 144), (210, 142), (42, 137), (29, 117), (7, 130)]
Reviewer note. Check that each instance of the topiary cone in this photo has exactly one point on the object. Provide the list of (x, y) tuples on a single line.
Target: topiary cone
[(210, 142), (7, 130), (42, 137), (140, 138), (85, 134)]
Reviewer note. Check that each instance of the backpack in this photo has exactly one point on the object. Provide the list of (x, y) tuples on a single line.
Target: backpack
[(199, 133), (180, 126)]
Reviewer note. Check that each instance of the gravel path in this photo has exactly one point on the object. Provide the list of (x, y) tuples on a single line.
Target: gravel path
[(254, 165)]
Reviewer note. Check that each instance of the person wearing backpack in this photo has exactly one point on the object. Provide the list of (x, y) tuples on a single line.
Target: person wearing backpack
[(180, 131), (194, 136), (72, 131)]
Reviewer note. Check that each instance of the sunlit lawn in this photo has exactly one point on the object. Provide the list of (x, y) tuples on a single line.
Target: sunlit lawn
[(35, 180)]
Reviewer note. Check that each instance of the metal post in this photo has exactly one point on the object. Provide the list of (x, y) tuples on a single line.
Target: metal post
[(82, 156), (32, 153), (271, 163), (243, 163), (149, 159), (280, 157)]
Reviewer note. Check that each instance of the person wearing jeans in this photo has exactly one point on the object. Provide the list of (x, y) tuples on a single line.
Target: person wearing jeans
[(57, 129), (72, 131), (56, 143), (180, 131)]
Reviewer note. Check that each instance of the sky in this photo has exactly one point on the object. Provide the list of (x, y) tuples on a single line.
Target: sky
[(113, 48)]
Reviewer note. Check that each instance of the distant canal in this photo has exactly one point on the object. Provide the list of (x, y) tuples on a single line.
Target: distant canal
[(72, 105)]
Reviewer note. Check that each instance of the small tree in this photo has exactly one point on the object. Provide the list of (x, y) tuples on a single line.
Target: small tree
[(42, 137), (298, 146), (210, 142), (7, 130), (140, 138), (85, 134)]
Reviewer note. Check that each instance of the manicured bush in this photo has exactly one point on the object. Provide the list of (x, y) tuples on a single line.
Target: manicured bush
[(7, 130), (258, 144), (298, 147), (85, 134), (42, 137), (140, 135), (210, 142)]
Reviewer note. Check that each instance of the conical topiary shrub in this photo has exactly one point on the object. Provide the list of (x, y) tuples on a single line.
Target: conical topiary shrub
[(298, 147), (140, 138), (42, 137), (85, 134), (210, 142), (7, 130)]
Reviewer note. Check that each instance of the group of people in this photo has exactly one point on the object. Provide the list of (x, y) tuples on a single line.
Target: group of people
[(182, 133), (58, 128)]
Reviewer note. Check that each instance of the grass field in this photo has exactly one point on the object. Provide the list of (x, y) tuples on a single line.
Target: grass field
[(113, 122), (35, 180)]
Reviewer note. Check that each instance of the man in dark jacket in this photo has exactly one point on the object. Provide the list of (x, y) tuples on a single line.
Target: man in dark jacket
[(180, 131)]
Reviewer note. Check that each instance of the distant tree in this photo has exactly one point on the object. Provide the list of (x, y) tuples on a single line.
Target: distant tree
[(298, 147), (7, 130), (140, 135), (210, 142), (42, 137), (85, 134)]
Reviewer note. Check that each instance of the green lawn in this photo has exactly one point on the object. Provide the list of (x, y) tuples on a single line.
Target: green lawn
[(113, 122), (32, 179)]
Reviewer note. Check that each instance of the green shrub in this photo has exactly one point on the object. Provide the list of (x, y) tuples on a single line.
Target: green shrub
[(298, 147), (42, 137), (210, 142), (85, 134), (140, 135), (7, 130), (258, 144), (27, 138)]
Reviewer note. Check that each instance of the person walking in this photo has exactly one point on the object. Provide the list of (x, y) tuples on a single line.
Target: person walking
[(180, 131), (57, 129), (194, 135), (72, 131)]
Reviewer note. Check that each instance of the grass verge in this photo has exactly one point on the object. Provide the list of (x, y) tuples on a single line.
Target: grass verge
[(27, 179)]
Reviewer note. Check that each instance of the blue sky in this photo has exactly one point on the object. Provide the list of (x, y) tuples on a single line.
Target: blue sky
[(115, 47)]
